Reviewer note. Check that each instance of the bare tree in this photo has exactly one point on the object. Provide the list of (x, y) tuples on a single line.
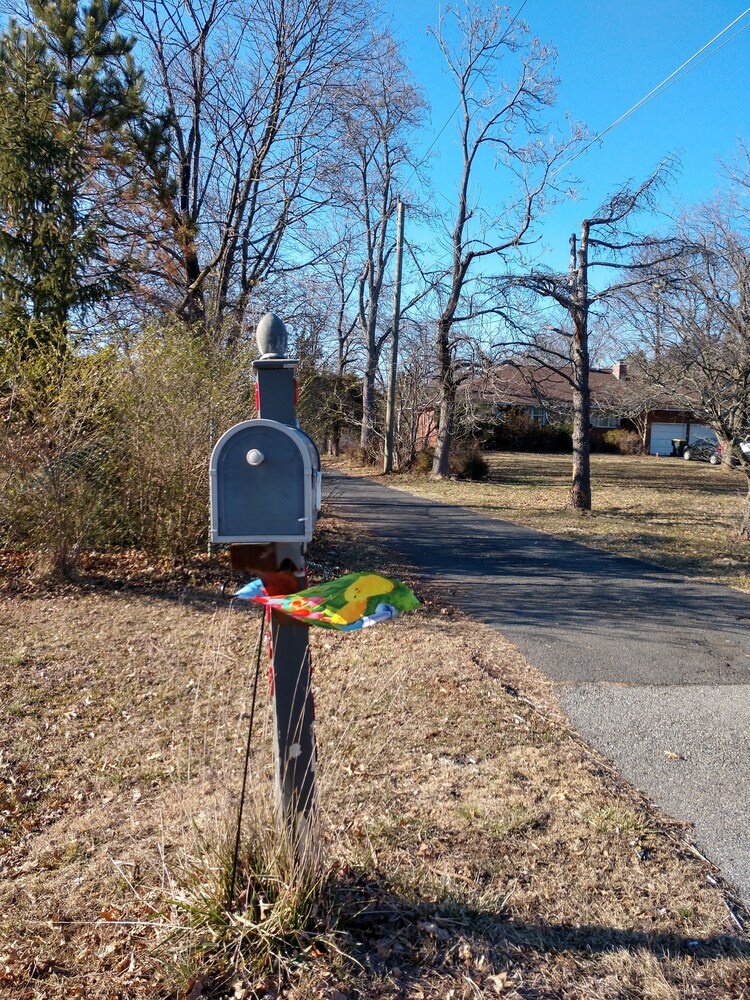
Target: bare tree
[(414, 388), (609, 242), (249, 90), (380, 113), (502, 114), (705, 356), (343, 280)]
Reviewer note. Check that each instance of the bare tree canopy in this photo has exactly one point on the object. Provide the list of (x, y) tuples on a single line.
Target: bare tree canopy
[(505, 83), (610, 240), (701, 353), (380, 114), (249, 90)]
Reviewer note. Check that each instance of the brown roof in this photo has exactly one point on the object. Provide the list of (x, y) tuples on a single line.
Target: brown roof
[(535, 385)]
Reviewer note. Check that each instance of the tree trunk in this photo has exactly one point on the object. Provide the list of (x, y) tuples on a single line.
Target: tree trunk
[(335, 440), (580, 492), (745, 514), (643, 430), (444, 433), (447, 403), (727, 454), (368, 409), (194, 306)]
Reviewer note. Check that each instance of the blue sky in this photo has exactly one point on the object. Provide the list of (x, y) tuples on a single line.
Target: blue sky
[(611, 53)]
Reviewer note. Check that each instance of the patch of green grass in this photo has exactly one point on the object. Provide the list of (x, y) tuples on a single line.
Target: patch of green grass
[(610, 819), (687, 913), (515, 777), (274, 915), (470, 812), (62, 856), (516, 820), (404, 830)]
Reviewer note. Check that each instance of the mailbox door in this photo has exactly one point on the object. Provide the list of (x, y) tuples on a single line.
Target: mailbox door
[(317, 479), (267, 501)]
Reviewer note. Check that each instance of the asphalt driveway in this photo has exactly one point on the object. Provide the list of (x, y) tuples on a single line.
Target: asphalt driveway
[(652, 668)]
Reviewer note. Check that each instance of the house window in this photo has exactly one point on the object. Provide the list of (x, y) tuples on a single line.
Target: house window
[(605, 420), (539, 414)]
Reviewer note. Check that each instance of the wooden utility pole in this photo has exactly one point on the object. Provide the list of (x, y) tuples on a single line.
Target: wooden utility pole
[(391, 398)]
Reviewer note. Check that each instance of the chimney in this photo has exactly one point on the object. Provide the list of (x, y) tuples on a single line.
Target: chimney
[(620, 370)]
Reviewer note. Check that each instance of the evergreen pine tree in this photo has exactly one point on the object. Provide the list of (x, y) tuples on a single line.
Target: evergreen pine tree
[(69, 92)]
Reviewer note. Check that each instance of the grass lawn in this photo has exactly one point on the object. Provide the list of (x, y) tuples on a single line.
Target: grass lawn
[(474, 845), (681, 514)]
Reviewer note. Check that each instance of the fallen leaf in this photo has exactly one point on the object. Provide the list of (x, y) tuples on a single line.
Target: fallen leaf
[(500, 982), (195, 990), (431, 928)]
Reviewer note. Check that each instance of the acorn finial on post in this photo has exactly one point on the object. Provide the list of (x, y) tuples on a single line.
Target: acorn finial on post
[(271, 337)]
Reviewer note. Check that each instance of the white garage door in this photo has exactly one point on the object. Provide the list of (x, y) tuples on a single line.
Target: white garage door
[(702, 431), (661, 437)]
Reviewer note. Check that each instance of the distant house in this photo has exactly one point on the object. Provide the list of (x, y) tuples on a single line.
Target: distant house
[(616, 402)]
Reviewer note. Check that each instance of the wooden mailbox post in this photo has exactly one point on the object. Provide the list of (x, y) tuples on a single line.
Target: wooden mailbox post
[(265, 499)]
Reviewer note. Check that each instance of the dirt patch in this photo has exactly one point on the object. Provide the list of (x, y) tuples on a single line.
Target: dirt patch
[(475, 846)]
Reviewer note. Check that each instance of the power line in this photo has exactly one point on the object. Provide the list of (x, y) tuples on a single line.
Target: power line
[(674, 77), (667, 82), (699, 63)]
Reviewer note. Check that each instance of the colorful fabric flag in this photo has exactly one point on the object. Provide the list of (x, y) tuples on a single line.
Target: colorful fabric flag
[(350, 603)]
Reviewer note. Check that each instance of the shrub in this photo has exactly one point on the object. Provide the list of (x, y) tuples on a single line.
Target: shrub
[(361, 456), (517, 431), (113, 448), (467, 461), (177, 396), (59, 488), (422, 463), (623, 442), (329, 407)]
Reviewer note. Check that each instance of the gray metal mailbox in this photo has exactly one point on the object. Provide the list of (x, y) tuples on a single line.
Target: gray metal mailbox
[(265, 484)]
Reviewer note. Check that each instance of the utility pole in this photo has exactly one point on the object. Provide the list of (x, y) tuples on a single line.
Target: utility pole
[(580, 491), (391, 398)]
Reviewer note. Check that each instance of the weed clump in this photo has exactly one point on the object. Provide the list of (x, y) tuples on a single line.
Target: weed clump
[(280, 915)]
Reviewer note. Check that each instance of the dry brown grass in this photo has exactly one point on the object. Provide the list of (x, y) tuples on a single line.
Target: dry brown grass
[(475, 847), (684, 515)]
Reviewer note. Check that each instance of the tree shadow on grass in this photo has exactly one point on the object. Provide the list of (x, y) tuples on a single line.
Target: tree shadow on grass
[(393, 935), (665, 475)]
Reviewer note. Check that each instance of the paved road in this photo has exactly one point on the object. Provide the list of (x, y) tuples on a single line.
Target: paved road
[(644, 661)]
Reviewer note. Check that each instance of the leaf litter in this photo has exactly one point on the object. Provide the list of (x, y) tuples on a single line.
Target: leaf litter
[(475, 846)]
